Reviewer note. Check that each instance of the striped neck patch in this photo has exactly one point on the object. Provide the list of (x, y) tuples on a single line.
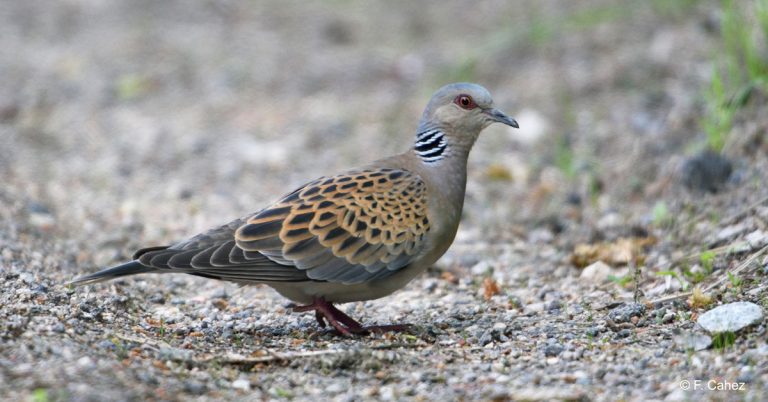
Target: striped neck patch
[(430, 145)]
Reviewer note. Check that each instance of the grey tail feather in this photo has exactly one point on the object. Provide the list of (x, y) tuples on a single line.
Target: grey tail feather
[(128, 268)]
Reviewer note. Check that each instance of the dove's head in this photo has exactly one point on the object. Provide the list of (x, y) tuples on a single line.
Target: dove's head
[(455, 116)]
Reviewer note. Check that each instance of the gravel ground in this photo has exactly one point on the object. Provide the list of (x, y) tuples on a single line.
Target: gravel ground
[(132, 123)]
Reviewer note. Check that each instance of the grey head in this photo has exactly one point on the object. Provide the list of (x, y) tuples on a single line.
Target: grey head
[(453, 119)]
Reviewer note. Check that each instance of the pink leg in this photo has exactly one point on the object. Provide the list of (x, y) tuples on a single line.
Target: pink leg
[(343, 323)]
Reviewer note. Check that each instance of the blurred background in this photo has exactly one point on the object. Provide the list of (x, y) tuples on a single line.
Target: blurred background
[(138, 122), (144, 113)]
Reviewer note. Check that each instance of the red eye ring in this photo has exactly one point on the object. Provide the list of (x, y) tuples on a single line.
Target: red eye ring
[(465, 102)]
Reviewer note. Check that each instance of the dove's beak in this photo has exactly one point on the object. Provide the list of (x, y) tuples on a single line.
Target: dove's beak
[(499, 116)]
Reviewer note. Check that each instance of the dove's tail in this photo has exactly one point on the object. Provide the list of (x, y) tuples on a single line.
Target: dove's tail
[(128, 268)]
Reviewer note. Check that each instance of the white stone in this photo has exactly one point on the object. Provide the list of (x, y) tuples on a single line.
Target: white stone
[(757, 239), (595, 273), (242, 384), (731, 317)]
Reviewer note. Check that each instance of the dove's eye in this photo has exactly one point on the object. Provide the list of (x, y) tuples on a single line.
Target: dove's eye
[(465, 101)]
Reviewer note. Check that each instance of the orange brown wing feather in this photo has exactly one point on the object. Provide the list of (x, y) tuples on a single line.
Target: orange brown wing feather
[(348, 228)]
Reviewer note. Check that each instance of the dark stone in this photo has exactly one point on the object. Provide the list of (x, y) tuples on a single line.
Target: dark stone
[(553, 350), (194, 387), (706, 172), (593, 332), (625, 312), (40, 289), (624, 333), (157, 299)]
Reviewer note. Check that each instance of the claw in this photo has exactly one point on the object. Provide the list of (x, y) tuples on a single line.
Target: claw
[(320, 319)]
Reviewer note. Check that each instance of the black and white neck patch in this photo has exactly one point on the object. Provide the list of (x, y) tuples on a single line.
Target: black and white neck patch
[(430, 145)]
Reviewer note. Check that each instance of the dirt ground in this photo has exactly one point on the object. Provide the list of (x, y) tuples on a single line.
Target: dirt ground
[(132, 123)]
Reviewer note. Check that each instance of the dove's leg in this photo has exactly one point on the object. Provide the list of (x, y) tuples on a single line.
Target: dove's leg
[(325, 311), (320, 319)]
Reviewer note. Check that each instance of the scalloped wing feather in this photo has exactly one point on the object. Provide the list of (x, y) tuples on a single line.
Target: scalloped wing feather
[(349, 228)]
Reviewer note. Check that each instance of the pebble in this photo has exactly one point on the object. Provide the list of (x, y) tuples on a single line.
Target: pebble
[(707, 172), (157, 298), (553, 350), (220, 293), (624, 333), (481, 268), (757, 239), (534, 308), (174, 354), (86, 363), (595, 273), (731, 317), (625, 312), (668, 317), (575, 308), (106, 344), (693, 341), (194, 387), (242, 384), (486, 338), (730, 232)]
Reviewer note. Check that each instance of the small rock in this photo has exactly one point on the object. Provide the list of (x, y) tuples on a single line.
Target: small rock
[(481, 268), (575, 308), (595, 273), (40, 216), (706, 172), (40, 289), (668, 317), (624, 333), (730, 232), (486, 338), (693, 341), (157, 298), (242, 384), (534, 308), (86, 363), (147, 378), (625, 312), (106, 344), (746, 374), (220, 293), (731, 317), (540, 236), (609, 221), (27, 277), (554, 305), (194, 387), (553, 350), (430, 285), (174, 354), (337, 388), (757, 239)]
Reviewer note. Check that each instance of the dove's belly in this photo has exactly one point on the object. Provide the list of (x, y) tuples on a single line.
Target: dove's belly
[(305, 292)]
